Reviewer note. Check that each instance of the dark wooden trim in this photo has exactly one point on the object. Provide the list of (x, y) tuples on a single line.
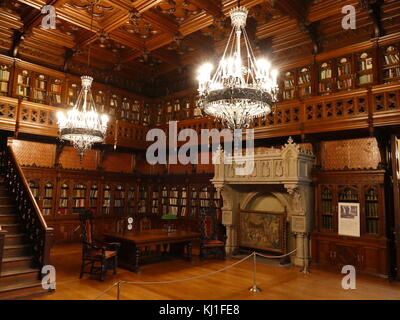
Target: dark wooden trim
[(3, 234)]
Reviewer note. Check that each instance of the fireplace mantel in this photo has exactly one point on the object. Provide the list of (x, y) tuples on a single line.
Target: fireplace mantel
[(290, 167)]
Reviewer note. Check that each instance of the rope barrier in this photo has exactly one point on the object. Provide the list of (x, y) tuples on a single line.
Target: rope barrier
[(254, 254), (275, 257)]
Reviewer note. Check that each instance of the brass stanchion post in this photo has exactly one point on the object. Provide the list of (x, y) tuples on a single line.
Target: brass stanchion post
[(119, 290), (254, 288)]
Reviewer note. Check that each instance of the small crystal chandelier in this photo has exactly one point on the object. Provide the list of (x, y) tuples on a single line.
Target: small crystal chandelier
[(82, 125), (241, 89)]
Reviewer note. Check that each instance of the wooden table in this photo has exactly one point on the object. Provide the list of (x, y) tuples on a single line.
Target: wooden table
[(133, 243)]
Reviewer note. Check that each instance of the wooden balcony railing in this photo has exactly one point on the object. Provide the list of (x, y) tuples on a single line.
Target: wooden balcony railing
[(355, 109), (40, 235)]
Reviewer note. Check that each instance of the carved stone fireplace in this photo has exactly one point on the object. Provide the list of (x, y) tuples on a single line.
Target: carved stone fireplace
[(280, 181)]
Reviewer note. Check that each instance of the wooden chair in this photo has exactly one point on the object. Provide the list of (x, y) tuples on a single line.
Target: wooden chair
[(145, 224), (212, 235), (95, 251)]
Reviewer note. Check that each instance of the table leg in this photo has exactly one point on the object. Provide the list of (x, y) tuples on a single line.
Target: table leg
[(189, 249), (137, 256)]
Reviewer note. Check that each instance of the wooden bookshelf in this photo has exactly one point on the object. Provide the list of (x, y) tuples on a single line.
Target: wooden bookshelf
[(344, 67), (194, 202), (184, 202), (391, 64), (135, 112), (55, 92), (119, 200), (142, 204), (327, 208), (164, 200), (106, 206), (173, 201), (35, 188), (372, 211), (23, 87), (332, 250), (365, 72), (72, 93), (146, 115), (159, 116), (5, 77), (304, 82), (94, 198), (114, 105), (131, 198), (40, 89), (326, 78), (289, 86), (99, 97), (48, 199), (63, 201), (78, 198), (155, 200), (125, 110)]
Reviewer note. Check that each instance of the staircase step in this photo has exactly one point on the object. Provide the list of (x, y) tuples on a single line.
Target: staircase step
[(6, 200), (8, 275), (12, 228), (16, 250), (8, 218), (7, 209), (22, 289), (18, 238), (17, 262)]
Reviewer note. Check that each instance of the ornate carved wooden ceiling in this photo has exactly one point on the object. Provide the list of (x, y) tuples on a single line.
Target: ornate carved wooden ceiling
[(142, 40)]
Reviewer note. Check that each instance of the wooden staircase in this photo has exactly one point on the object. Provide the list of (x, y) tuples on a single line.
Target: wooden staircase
[(19, 277)]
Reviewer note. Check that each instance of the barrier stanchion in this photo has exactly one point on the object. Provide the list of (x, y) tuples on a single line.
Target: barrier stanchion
[(119, 290), (254, 288)]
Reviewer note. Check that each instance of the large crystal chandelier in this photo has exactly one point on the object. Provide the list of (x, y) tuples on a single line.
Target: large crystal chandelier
[(242, 88), (82, 125)]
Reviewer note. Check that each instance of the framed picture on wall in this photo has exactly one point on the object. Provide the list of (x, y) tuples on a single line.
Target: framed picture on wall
[(349, 219), (262, 230)]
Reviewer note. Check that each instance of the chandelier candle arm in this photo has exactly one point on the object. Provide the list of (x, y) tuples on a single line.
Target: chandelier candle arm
[(240, 89)]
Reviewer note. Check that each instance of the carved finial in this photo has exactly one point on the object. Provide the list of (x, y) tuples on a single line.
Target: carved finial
[(290, 140)]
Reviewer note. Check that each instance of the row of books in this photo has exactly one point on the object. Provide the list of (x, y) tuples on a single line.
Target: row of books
[(40, 84), (325, 87), (288, 94), (327, 222), (371, 210), (46, 211), (348, 196), (366, 64), (392, 73), (372, 226), (56, 88), (326, 207), (345, 84), (289, 83), (4, 75), (63, 203), (305, 91), (39, 95), (55, 98), (392, 59), (326, 74), (79, 193), (304, 79), (25, 80), (344, 69), (23, 91), (366, 78), (47, 203), (79, 203), (3, 86)]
